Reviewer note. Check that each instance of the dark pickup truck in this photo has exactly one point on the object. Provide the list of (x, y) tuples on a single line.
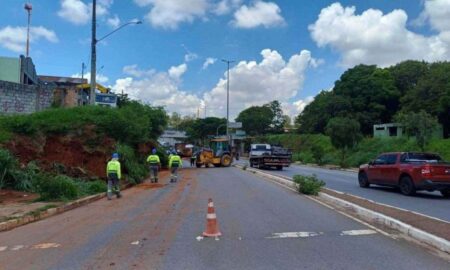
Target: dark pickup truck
[(408, 171)]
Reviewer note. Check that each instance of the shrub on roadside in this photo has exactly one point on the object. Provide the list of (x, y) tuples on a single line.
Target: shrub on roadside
[(58, 187), (308, 185)]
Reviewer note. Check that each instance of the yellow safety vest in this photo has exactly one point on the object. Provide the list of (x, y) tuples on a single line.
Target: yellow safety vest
[(153, 160), (175, 161), (114, 167)]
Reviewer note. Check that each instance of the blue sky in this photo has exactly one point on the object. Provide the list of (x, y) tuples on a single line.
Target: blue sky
[(138, 59)]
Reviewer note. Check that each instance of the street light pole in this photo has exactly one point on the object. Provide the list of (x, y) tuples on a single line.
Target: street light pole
[(93, 54), (94, 49), (228, 62)]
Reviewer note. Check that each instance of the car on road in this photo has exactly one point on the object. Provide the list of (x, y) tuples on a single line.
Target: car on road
[(409, 171)]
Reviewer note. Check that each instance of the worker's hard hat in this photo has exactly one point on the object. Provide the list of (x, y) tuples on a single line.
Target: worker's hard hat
[(154, 151), (115, 155)]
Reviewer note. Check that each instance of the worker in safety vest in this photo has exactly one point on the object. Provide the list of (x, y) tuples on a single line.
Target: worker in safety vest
[(114, 174), (155, 163), (175, 162)]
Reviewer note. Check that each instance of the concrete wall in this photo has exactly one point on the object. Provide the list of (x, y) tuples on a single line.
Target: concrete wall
[(20, 98), (10, 69)]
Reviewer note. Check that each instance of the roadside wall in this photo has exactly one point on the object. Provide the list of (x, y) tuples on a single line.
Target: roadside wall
[(18, 98)]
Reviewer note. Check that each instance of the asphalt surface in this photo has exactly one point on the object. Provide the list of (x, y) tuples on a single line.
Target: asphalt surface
[(427, 203), (157, 227)]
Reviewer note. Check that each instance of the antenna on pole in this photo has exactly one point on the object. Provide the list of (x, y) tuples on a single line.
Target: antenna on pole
[(28, 7)]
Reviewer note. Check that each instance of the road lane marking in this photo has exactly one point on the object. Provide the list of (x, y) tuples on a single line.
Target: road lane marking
[(199, 238), (46, 246), (18, 247), (358, 232), (135, 243), (294, 235), (3, 248)]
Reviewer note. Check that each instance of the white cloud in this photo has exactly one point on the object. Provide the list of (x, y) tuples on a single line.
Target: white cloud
[(253, 83), (437, 12), (79, 12), (190, 57), (261, 13), (295, 108), (15, 38), (376, 38), (169, 14), (176, 72), (209, 61), (99, 78), (133, 70), (226, 6), (114, 21), (159, 88)]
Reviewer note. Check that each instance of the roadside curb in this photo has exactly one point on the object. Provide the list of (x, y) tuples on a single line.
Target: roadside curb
[(369, 215), (29, 218), (330, 167)]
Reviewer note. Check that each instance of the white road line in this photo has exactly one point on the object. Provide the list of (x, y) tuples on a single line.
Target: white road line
[(294, 235), (135, 243), (18, 247), (199, 238), (358, 232), (46, 245), (3, 248)]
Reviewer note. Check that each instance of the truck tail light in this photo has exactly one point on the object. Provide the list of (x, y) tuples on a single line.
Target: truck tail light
[(426, 171)]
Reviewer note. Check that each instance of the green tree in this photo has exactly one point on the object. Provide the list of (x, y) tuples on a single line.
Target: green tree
[(201, 129), (344, 134), (421, 125), (256, 120), (432, 94), (278, 120)]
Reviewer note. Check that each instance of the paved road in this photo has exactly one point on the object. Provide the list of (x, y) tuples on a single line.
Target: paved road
[(156, 227), (428, 203)]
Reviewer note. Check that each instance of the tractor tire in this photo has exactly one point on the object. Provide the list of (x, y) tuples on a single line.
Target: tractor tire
[(226, 160)]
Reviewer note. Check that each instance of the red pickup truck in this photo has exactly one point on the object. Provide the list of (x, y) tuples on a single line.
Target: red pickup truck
[(408, 171)]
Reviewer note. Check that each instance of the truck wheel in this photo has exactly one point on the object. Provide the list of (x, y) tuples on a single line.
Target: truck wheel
[(280, 168), (363, 180), (226, 160), (407, 186), (445, 193)]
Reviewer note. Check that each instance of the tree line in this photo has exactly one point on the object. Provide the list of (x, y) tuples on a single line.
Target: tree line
[(371, 95)]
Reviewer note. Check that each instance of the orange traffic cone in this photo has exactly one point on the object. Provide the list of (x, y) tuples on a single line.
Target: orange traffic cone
[(212, 229)]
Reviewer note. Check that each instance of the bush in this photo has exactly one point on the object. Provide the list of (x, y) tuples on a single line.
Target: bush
[(308, 185), (90, 188), (8, 164), (56, 188), (318, 153), (135, 170)]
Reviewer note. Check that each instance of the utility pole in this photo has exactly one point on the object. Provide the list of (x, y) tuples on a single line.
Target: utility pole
[(83, 66), (228, 62), (93, 54), (28, 7)]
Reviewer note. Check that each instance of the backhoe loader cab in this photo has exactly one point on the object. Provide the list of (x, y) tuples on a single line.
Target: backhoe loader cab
[(218, 154)]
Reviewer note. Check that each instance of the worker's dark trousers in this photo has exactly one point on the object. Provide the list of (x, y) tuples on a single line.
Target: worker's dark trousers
[(154, 174), (113, 185), (192, 162), (174, 174)]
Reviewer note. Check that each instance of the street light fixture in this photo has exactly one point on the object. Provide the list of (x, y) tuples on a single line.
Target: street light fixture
[(94, 49), (228, 62)]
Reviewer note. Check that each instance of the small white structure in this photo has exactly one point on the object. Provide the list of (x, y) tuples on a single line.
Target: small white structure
[(170, 137)]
